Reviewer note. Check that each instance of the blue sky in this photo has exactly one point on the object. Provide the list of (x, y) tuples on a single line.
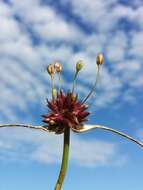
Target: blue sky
[(36, 33)]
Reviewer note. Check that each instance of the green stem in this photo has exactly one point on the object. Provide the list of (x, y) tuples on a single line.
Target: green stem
[(64, 159), (74, 81), (94, 86)]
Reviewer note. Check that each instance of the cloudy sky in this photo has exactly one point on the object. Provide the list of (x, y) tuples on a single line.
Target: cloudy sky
[(34, 33)]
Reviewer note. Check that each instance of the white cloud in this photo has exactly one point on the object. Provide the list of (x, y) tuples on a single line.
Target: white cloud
[(136, 48), (104, 16), (4, 9), (9, 29), (92, 11), (116, 48), (92, 152), (46, 23), (25, 144)]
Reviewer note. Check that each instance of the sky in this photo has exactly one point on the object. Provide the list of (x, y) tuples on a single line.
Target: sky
[(35, 33)]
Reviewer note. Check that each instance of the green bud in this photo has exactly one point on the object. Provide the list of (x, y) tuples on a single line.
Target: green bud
[(79, 65), (54, 92)]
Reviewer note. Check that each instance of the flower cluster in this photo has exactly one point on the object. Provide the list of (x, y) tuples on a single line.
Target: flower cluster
[(65, 109)]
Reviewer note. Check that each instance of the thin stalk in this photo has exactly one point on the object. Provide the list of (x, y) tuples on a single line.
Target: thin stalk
[(89, 127), (74, 81), (122, 134), (64, 159), (53, 82), (60, 80), (24, 125), (53, 86), (94, 86)]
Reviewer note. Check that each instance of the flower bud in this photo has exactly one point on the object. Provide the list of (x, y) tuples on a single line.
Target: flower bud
[(50, 69), (54, 92), (58, 67), (79, 65), (99, 59)]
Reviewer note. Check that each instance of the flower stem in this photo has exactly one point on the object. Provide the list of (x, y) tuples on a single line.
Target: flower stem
[(74, 82), (64, 159), (94, 86)]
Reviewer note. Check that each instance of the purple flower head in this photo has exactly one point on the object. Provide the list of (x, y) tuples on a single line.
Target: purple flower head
[(65, 110)]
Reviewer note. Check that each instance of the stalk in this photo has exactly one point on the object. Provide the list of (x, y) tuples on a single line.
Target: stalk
[(25, 126), (94, 86), (65, 157), (84, 128), (74, 82)]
